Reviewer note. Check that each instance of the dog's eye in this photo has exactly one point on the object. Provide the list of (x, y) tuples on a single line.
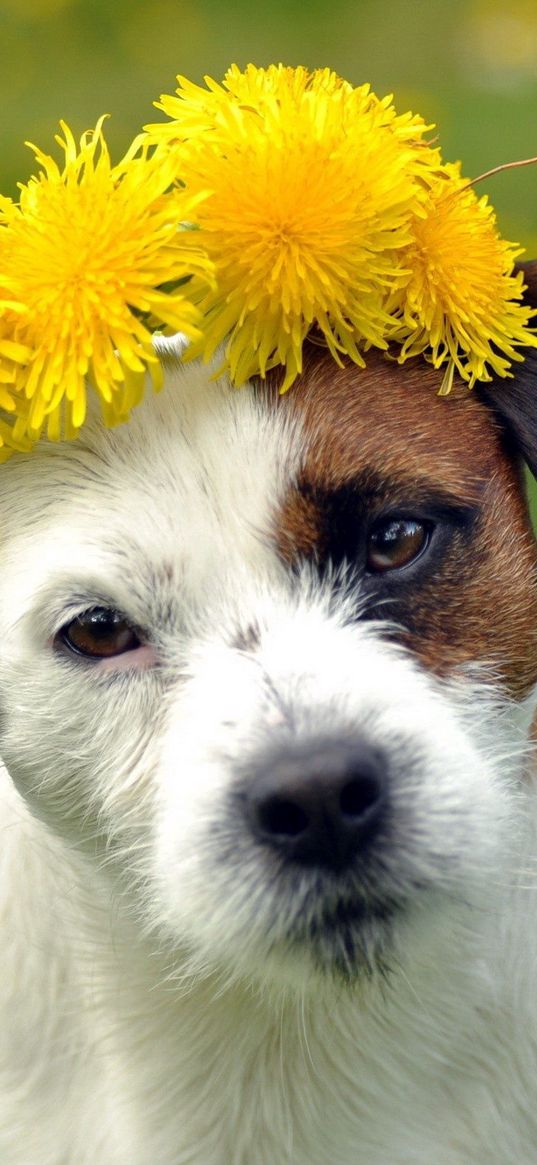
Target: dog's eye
[(396, 542), (99, 634)]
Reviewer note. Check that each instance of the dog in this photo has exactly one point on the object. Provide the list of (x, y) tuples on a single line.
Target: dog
[(268, 674)]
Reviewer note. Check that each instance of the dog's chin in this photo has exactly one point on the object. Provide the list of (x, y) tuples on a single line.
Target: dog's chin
[(334, 943), (352, 960), (345, 927), (317, 933), (348, 945)]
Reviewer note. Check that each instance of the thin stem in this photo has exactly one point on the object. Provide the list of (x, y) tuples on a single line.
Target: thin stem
[(498, 169)]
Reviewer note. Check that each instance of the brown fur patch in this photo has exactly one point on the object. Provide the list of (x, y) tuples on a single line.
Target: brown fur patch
[(386, 424)]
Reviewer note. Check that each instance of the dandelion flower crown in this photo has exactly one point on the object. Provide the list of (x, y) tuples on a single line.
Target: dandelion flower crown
[(279, 204)]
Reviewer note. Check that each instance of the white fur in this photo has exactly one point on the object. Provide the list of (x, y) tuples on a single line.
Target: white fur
[(162, 1003)]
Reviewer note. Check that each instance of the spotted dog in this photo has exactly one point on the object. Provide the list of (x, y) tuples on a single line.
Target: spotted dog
[(268, 669)]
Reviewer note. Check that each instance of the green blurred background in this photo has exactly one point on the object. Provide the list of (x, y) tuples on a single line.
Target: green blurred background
[(469, 66)]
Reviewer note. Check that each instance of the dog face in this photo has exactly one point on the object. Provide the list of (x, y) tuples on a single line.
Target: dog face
[(268, 663)]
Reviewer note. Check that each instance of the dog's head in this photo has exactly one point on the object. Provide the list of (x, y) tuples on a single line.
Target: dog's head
[(271, 661)]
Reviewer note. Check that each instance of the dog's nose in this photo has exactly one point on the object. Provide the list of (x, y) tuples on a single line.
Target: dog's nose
[(319, 806)]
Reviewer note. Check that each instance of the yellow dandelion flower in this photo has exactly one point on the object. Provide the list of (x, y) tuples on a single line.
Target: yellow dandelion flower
[(205, 113), (84, 256), (13, 357), (314, 187), (276, 205), (312, 184), (461, 306)]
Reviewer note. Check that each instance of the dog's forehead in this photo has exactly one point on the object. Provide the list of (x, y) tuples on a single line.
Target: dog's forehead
[(201, 455), (338, 419), (390, 421), (187, 489)]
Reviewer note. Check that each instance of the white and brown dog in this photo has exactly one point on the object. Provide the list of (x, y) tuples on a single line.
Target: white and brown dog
[(268, 670)]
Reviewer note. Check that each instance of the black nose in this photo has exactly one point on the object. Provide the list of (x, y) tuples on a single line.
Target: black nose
[(319, 806)]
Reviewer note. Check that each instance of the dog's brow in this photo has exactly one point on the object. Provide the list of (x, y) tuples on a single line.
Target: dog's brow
[(370, 486)]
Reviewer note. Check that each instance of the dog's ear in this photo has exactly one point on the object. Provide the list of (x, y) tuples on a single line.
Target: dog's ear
[(515, 401)]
